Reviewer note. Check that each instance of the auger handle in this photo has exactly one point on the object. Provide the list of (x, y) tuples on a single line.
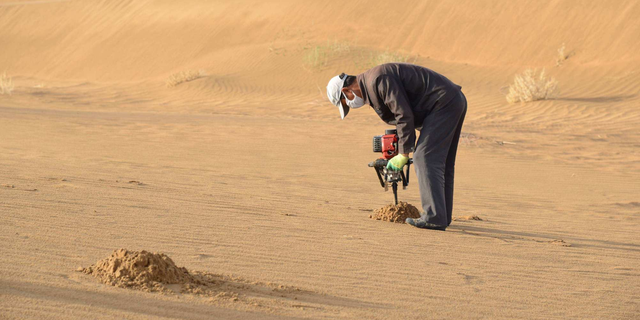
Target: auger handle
[(379, 163)]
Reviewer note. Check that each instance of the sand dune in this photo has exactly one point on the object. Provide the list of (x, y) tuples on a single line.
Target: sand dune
[(247, 172)]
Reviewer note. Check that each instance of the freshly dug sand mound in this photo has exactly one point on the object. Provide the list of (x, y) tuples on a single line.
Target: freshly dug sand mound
[(156, 272), (393, 213), (139, 270)]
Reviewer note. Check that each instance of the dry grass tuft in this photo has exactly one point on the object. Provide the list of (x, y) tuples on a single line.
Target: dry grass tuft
[(530, 86), (6, 84), (184, 76), (562, 56), (318, 56), (387, 57), (377, 58)]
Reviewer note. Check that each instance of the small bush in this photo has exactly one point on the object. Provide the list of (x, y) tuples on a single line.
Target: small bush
[(184, 76), (529, 86), (6, 84)]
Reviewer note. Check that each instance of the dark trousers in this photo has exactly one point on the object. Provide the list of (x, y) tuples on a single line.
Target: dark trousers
[(435, 159)]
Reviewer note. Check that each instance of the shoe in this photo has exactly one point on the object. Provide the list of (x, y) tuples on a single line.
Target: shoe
[(421, 223)]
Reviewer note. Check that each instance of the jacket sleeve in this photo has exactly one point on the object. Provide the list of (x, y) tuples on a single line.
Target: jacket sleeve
[(392, 93)]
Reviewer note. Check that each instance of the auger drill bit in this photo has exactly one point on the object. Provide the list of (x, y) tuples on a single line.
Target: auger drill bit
[(395, 191)]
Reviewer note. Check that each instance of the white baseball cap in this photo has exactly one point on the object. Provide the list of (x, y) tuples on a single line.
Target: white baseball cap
[(334, 92)]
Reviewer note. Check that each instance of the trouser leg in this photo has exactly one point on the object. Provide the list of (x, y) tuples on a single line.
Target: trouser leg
[(450, 164), (430, 158)]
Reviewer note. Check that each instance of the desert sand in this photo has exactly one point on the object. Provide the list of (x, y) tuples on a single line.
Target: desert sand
[(246, 172)]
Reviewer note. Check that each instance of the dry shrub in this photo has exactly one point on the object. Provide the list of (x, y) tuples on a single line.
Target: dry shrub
[(184, 76), (531, 86), (6, 84)]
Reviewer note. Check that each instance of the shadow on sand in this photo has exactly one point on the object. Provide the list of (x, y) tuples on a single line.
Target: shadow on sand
[(604, 99), (507, 236)]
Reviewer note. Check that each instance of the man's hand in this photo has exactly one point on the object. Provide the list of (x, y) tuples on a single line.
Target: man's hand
[(396, 163)]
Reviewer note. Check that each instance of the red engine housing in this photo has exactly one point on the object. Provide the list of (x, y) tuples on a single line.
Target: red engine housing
[(389, 144)]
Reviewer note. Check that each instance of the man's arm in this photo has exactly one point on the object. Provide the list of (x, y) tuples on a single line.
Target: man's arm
[(392, 93)]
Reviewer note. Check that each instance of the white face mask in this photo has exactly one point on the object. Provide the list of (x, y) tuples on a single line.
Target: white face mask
[(356, 103)]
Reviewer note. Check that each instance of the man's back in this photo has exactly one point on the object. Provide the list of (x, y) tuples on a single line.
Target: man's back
[(425, 89)]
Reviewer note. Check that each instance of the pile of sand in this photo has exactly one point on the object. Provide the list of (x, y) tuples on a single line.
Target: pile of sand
[(156, 272), (396, 213), (139, 270)]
